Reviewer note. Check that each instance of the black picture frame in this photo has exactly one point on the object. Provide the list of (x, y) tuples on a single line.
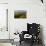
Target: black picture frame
[(20, 14)]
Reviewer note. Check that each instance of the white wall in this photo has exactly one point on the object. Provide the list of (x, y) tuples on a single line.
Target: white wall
[(3, 1), (35, 13)]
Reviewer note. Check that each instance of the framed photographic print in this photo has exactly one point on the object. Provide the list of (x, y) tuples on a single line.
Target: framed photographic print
[(19, 14)]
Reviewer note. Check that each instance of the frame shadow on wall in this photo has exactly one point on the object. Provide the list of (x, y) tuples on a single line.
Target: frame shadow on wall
[(20, 14)]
